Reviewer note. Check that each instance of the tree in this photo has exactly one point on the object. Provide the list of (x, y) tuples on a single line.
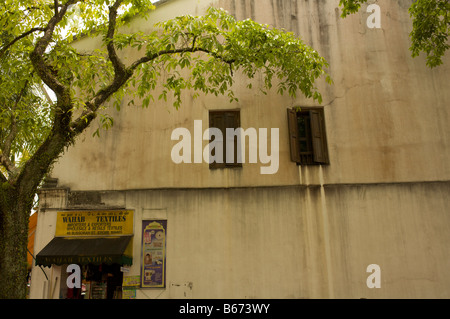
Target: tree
[(431, 27), (37, 52)]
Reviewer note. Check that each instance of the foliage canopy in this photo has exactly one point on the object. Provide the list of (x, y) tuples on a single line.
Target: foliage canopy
[(36, 51)]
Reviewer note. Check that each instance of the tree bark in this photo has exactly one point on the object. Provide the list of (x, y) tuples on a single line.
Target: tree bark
[(14, 215), (16, 202)]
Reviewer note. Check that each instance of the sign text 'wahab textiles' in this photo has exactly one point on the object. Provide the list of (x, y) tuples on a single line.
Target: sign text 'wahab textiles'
[(94, 223)]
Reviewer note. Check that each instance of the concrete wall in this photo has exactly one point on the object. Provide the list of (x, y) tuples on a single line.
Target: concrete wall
[(403, 228), (288, 242), (386, 114), (307, 231)]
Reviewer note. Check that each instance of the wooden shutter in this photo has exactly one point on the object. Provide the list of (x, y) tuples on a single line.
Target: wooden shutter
[(223, 120), (231, 121), (293, 135), (216, 119), (318, 135)]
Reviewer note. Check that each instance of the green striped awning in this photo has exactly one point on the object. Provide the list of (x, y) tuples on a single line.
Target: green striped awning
[(86, 250)]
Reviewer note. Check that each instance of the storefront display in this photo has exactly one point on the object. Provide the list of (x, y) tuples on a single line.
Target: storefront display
[(100, 242)]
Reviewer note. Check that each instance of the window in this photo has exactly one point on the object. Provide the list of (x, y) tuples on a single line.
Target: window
[(307, 136), (223, 120)]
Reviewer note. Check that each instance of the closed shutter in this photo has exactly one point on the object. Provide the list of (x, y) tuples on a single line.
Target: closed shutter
[(223, 120), (232, 120), (318, 135), (293, 135), (216, 119)]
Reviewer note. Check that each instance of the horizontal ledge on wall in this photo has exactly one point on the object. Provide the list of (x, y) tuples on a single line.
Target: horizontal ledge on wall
[(403, 183), (300, 186)]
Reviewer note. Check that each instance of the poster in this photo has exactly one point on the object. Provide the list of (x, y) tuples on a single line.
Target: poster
[(129, 286), (153, 261), (94, 223), (131, 281), (129, 294)]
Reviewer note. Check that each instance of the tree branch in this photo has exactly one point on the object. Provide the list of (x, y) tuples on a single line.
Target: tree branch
[(23, 35), (119, 67), (101, 96), (56, 7), (3, 178), (192, 49), (6, 163), (121, 75), (13, 127), (5, 160), (43, 70), (60, 136)]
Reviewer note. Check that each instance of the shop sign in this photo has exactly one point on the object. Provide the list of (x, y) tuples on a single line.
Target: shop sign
[(94, 223), (153, 265), (81, 260)]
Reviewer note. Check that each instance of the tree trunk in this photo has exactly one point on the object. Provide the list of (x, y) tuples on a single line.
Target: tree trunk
[(16, 202), (14, 215)]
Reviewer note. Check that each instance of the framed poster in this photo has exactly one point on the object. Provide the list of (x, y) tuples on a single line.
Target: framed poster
[(153, 262)]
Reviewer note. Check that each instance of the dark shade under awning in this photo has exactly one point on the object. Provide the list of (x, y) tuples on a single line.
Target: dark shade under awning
[(83, 251)]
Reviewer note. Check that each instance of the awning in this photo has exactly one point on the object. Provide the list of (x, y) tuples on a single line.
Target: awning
[(86, 250)]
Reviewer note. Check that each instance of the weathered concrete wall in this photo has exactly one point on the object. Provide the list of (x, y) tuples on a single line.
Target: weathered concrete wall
[(403, 228), (386, 114), (290, 242), (305, 232)]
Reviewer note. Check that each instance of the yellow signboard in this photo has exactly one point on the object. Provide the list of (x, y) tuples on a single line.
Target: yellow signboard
[(94, 223)]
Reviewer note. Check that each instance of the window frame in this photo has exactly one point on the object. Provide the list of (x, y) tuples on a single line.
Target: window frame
[(316, 152), (232, 116)]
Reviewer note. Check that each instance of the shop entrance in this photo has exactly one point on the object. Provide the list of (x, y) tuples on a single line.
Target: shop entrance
[(97, 282)]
